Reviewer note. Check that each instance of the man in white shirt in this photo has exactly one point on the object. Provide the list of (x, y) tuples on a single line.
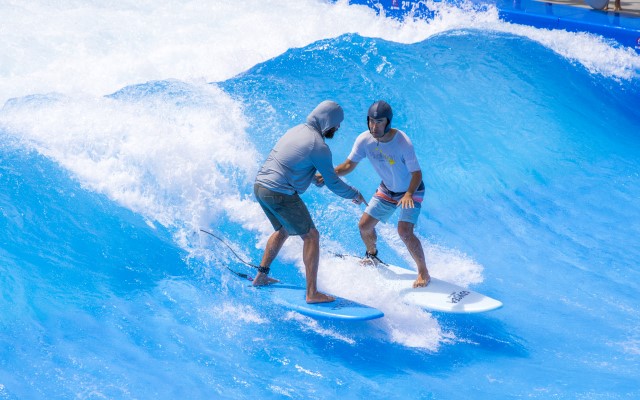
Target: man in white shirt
[(393, 157)]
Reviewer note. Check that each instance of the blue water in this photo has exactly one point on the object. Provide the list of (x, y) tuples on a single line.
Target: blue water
[(532, 169)]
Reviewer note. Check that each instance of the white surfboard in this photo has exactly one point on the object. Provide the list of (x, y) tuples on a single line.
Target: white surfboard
[(439, 295)]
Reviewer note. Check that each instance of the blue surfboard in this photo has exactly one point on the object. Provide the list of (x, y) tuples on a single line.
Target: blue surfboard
[(294, 298)]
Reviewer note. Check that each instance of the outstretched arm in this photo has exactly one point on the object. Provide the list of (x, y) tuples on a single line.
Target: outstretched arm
[(341, 170), (346, 167), (322, 160)]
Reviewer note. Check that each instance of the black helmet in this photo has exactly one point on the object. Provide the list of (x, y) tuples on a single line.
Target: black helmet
[(381, 109)]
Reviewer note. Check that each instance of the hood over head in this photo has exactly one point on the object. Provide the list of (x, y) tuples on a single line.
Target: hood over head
[(325, 116)]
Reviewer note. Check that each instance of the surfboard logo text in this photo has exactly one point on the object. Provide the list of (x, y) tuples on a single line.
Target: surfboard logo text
[(456, 297)]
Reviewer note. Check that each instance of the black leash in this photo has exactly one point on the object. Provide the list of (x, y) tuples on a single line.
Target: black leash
[(340, 255), (246, 276), (239, 274)]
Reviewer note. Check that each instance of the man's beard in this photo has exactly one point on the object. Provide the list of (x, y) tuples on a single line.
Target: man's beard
[(329, 134)]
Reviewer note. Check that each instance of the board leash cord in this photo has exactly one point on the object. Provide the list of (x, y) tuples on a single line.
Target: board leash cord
[(246, 276), (341, 255), (239, 274)]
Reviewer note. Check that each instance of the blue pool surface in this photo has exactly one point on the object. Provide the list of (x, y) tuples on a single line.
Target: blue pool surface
[(532, 169)]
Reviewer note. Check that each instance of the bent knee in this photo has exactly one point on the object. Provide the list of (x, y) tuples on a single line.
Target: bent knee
[(405, 231), (313, 234), (367, 224), (282, 233)]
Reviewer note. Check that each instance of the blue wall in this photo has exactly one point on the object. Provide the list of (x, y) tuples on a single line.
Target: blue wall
[(624, 29)]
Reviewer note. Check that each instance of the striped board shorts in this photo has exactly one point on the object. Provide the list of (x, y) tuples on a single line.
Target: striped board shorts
[(385, 202)]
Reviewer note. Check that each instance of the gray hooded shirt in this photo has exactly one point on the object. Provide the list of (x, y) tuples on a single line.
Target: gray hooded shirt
[(293, 162)]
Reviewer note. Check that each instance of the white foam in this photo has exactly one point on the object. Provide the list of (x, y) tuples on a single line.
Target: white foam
[(308, 372), (447, 264), (171, 163), (87, 47), (631, 347), (311, 324), (166, 162), (403, 323), (281, 391), (239, 312), (597, 54)]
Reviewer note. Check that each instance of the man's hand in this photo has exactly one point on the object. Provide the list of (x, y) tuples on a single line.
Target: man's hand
[(406, 201), (359, 199), (318, 180)]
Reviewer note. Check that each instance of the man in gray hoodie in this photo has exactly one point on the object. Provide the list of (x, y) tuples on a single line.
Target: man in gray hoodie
[(288, 171)]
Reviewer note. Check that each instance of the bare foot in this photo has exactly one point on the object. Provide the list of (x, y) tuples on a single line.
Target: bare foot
[(263, 279), (320, 298), (422, 281)]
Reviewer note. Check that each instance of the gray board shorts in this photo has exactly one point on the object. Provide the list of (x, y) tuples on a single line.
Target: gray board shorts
[(284, 210)]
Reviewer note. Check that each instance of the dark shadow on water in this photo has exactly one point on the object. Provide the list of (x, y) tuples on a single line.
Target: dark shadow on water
[(477, 337)]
